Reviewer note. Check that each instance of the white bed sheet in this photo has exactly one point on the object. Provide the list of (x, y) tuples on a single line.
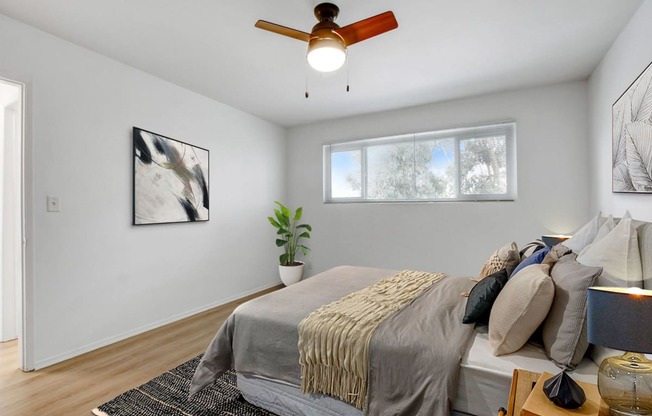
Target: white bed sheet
[(484, 384), (485, 379)]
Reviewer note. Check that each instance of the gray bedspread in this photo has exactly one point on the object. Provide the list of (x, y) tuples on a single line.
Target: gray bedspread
[(415, 354)]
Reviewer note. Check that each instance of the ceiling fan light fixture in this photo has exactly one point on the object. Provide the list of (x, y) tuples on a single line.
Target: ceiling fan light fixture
[(326, 54), (327, 42)]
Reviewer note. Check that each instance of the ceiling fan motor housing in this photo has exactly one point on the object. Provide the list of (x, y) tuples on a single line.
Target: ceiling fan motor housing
[(326, 12)]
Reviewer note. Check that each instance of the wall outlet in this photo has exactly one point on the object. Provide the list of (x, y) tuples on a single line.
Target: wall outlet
[(54, 204)]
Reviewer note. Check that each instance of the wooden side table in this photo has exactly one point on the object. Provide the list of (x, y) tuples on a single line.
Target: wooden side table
[(523, 382), (527, 398)]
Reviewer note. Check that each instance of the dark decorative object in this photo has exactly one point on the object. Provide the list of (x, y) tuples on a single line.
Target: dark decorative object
[(632, 137), (170, 180), (564, 392)]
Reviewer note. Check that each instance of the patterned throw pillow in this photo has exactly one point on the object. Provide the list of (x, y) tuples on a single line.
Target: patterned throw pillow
[(506, 257)]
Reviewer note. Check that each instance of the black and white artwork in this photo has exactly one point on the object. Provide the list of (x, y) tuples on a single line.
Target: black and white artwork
[(170, 180), (632, 137)]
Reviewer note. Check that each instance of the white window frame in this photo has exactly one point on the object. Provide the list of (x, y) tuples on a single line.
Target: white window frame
[(507, 129)]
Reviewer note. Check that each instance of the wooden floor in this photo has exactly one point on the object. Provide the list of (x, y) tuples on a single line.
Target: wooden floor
[(78, 385)]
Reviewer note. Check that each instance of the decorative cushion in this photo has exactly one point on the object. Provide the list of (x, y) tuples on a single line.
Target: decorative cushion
[(535, 258), (564, 330), (618, 254), (530, 248), (609, 224), (520, 308), (556, 253), (506, 257), (482, 297), (586, 234)]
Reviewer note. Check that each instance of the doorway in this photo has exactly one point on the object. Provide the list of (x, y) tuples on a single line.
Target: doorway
[(11, 213)]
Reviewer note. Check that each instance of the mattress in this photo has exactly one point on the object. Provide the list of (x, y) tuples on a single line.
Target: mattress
[(484, 383), (485, 379)]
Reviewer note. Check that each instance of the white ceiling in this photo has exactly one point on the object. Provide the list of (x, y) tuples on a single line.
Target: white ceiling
[(441, 50)]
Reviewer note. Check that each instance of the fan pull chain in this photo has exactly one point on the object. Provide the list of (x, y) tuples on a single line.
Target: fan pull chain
[(347, 71), (307, 93)]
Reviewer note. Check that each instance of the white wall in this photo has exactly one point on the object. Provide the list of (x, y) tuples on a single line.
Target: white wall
[(553, 181), (96, 277), (626, 59), (10, 205)]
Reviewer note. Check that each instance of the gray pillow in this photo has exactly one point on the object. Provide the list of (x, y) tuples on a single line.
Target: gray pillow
[(564, 330), (556, 252)]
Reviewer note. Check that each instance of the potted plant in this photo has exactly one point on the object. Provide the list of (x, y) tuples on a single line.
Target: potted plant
[(289, 235)]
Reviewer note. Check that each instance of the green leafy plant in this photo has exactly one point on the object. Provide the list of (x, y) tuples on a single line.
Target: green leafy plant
[(289, 234)]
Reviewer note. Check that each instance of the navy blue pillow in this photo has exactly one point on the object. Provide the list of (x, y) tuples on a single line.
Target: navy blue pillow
[(536, 258), (482, 297)]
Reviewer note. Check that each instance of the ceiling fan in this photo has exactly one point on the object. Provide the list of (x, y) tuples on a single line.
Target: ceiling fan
[(328, 41)]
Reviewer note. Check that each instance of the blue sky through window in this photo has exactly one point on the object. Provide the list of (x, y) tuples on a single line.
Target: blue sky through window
[(343, 166)]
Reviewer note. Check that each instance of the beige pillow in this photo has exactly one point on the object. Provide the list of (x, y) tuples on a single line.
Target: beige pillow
[(506, 257), (520, 308)]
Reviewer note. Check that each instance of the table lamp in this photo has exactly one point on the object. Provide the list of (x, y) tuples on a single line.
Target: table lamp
[(620, 318), (554, 239)]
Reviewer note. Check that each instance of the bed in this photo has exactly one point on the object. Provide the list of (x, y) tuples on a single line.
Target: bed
[(259, 340)]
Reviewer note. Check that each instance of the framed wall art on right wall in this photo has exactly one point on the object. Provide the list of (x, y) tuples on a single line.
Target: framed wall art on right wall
[(632, 137)]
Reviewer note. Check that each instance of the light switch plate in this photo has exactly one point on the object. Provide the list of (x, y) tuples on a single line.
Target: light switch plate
[(54, 204)]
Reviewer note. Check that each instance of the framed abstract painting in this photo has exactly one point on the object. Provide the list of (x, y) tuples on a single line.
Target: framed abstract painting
[(170, 180), (632, 137)]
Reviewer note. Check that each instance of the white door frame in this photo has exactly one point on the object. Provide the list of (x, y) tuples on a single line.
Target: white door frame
[(25, 337)]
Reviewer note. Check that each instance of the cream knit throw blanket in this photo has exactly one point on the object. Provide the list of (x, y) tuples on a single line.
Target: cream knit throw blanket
[(334, 339)]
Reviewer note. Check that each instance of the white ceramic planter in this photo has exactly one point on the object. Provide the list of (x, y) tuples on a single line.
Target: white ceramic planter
[(291, 274)]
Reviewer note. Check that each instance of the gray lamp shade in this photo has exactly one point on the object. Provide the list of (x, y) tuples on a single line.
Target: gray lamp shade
[(552, 240), (620, 318)]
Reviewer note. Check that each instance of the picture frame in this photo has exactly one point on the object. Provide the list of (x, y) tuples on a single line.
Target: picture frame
[(170, 180), (631, 166)]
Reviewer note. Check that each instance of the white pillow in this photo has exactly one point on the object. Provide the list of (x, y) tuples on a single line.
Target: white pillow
[(520, 308), (618, 255), (586, 234), (608, 225)]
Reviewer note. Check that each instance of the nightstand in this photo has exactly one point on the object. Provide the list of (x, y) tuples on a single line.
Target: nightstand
[(527, 398), (523, 382)]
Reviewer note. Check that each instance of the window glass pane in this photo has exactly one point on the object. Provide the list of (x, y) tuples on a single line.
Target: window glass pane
[(483, 164), (390, 171), (459, 164), (346, 174), (435, 169)]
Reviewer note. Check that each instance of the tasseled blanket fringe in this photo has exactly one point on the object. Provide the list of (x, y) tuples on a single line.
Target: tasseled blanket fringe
[(334, 339), (334, 381)]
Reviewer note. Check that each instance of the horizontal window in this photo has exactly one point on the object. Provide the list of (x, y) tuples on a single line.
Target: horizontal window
[(466, 164)]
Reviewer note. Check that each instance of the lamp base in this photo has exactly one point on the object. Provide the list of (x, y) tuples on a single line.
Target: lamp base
[(625, 384)]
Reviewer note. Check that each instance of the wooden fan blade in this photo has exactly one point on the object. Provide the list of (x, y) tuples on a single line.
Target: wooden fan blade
[(367, 28), (282, 30)]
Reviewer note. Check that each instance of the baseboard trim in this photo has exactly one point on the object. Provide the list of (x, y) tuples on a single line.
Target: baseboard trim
[(39, 364)]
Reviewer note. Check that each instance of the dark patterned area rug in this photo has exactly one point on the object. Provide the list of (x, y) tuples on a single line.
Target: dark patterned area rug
[(167, 395)]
